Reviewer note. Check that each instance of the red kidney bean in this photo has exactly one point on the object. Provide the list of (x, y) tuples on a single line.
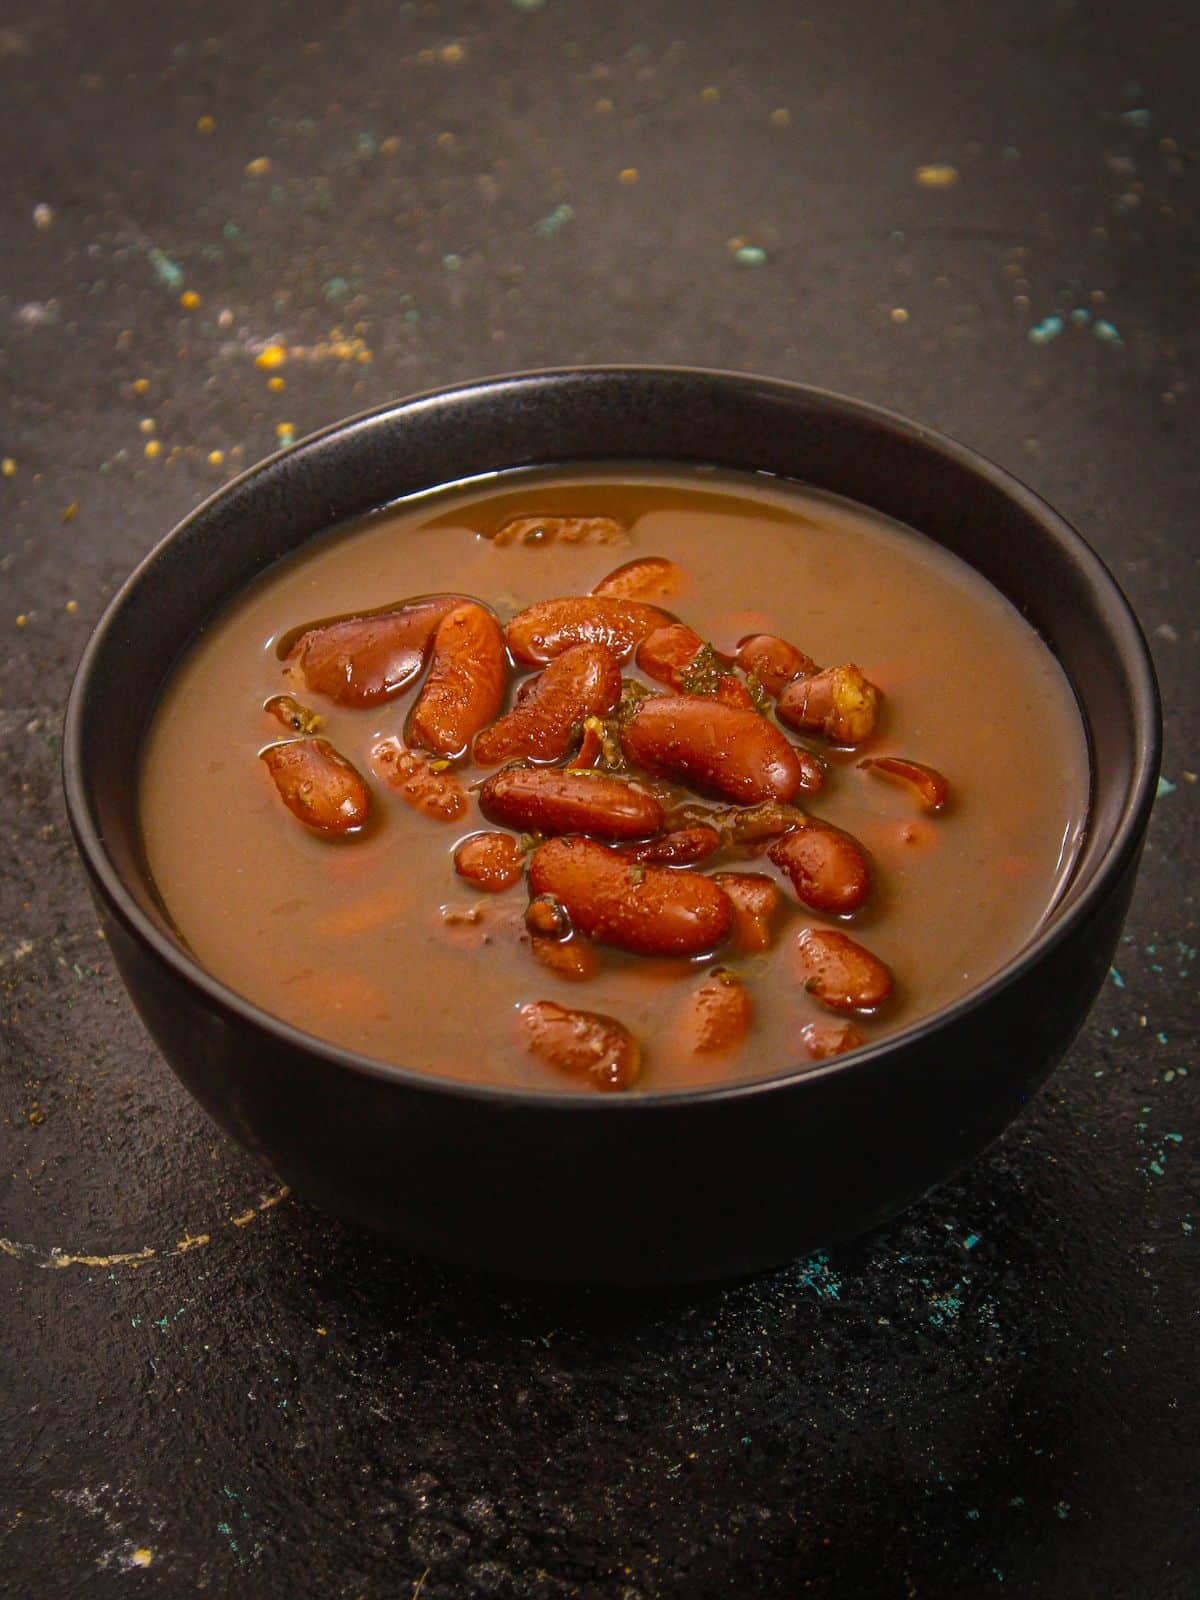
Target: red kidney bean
[(681, 848), (711, 746), (418, 781), (292, 714), (646, 578), (772, 660), (717, 1015), (828, 868), (545, 630), (318, 785), (573, 959), (465, 685), (732, 691), (755, 899), (825, 1039), (491, 861), (926, 782), (647, 910), (584, 681), (548, 917), (543, 800), (839, 703), (840, 973), (582, 1044), (359, 661), (666, 654)]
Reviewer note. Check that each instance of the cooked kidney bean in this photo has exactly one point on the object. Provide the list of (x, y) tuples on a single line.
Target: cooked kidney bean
[(545, 630), (292, 714), (573, 959), (666, 654), (717, 1015), (731, 691), (560, 530), (828, 868), (318, 785), (644, 909), (839, 703), (681, 848), (425, 784), (582, 1044), (491, 861), (711, 746), (772, 660), (548, 917), (755, 899), (647, 578), (825, 1039), (465, 685), (543, 800), (840, 973), (926, 782), (359, 661), (585, 681)]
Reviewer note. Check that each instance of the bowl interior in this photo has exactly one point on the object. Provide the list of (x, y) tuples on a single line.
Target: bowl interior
[(586, 415)]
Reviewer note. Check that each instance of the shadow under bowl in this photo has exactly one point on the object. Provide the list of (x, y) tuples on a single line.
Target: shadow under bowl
[(645, 1189)]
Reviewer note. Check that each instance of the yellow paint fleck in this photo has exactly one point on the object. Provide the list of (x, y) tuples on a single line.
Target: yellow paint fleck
[(152, 449), (71, 606), (446, 141), (189, 299), (273, 356), (364, 358), (735, 244), (246, 1218), (71, 512), (938, 175), (604, 107), (276, 384), (390, 145), (8, 467), (192, 1241), (140, 385), (323, 1332), (216, 458), (452, 55), (710, 94), (628, 175), (259, 167), (36, 1115), (781, 117), (205, 125), (22, 619), (282, 428), (147, 425), (899, 314), (142, 1557)]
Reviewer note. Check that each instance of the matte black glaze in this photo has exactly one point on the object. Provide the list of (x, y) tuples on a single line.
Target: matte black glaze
[(712, 1183)]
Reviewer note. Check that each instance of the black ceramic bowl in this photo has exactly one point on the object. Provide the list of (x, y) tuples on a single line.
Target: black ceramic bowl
[(646, 1188)]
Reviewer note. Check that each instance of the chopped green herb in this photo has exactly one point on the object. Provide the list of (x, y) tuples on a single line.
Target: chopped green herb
[(705, 672), (637, 873)]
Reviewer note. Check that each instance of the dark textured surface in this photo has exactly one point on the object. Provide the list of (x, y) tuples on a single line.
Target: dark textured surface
[(202, 1389)]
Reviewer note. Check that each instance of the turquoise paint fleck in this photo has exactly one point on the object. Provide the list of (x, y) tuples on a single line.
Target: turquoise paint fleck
[(1106, 332), (1048, 328), (557, 219), (1165, 787), (169, 273), (750, 255)]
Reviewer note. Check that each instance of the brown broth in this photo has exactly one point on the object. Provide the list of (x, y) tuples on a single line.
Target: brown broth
[(348, 939)]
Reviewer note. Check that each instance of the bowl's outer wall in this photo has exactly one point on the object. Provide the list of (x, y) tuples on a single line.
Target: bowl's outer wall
[(577, 1190)]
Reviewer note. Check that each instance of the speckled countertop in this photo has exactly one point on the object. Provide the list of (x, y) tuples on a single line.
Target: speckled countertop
[(225, 225)]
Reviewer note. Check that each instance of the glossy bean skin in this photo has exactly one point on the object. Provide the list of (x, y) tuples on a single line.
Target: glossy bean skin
[(319, 786), (731, 691), (545, 630), (582, 1044), (361, 661), (718, 748), (415, 778), (543, 800), (840, 973), (646, 578), (547, 918), (681, 848), (717, 1015), (666, 654), (491, 861), (828, 869), (646, 910), (465, 686), (839, 703), (927, 783), (822, 1040), (585, 681), (773, 661), (292, 714), (560, 530), (573, 959), (755, 899)]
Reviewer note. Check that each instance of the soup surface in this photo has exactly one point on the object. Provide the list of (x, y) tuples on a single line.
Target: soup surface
[(373, 940)]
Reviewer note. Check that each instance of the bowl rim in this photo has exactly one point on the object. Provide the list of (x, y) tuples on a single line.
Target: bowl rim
[(1061, 920)]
